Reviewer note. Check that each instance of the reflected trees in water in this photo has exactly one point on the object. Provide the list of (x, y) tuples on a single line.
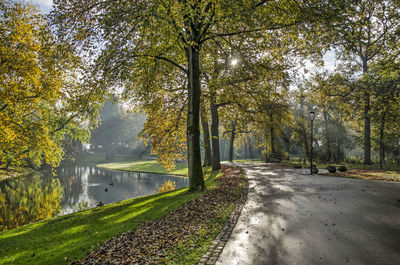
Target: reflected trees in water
[(23, 202)]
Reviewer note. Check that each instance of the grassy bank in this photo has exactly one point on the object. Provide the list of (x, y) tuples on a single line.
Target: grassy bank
[(63, 239), (146, 166)]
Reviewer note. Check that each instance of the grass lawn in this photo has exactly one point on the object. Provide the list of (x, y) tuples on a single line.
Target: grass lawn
[(146, 166), (63, 239)]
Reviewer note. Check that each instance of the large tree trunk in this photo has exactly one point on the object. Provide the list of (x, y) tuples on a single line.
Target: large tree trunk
[(231, 144), (216, 160), (206, 138), (196, 180)]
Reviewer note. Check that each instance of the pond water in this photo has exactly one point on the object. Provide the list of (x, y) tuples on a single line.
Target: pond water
[(72, 188)]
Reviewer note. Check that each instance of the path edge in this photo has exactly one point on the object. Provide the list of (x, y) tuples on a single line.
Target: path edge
[(218, 244)]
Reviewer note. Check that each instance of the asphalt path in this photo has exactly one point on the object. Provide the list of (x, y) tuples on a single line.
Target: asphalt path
[(291, 217)]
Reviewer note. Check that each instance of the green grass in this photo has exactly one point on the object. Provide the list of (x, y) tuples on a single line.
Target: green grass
[(63, 239), (146, 166), (86, 158), (92, 158)]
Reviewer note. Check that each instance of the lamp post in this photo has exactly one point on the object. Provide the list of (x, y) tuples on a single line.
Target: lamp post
[(311, 116)]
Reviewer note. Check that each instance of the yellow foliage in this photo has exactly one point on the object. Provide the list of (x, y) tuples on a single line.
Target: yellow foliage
[(40, 99), (168, 185)]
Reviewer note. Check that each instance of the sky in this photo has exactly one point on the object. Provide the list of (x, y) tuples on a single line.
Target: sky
[(45, 5)]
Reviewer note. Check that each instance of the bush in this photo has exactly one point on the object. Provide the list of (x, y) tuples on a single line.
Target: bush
[(342, 169), (331, 169), (168, 185)]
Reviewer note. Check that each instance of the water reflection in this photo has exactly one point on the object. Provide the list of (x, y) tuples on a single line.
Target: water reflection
[(28, 200), (75, 187)]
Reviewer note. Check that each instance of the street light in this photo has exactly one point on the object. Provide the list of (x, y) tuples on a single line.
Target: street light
[(311, 116)]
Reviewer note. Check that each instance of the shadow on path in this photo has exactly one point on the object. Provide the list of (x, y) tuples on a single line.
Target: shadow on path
[(294, 218)]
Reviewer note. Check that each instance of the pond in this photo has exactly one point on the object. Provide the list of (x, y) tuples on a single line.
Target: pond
[(74, 187)]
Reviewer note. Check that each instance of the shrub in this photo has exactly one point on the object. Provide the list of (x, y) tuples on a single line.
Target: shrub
[(331, 169), (168, 185)]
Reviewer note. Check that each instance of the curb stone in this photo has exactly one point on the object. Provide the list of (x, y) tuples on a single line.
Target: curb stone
[(218, 244)]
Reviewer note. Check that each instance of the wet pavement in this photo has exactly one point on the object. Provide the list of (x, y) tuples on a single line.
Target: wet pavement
[(292, 217)]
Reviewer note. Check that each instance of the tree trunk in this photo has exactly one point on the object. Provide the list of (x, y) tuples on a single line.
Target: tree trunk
[(381, 143), (367, 119), (216, 159), (206, 138), (328, 141), (246, 156), (306, 148), (367, 130), (266, 147), (233, 134), (250, 148), (196, 180), (272, 139)]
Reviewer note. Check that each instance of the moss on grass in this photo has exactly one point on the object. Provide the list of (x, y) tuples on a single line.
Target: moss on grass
[(63, 239)]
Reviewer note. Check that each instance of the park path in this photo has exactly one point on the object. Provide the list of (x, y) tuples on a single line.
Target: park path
[(291, 217)]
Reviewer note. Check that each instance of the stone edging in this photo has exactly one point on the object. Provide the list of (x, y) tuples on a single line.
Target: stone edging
[(218, 244)]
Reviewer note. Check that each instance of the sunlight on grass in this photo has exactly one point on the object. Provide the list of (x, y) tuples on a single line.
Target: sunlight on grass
[(146, 166), (63, 239), (74, 230)]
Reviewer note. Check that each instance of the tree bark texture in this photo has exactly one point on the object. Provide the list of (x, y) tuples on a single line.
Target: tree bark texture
[(196, 180)]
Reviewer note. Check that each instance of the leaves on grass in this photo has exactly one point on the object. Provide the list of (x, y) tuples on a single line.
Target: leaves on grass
[(370, 174), (153, 242)]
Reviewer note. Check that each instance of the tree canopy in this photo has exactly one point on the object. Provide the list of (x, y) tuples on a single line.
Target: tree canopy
[(41, 99)]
